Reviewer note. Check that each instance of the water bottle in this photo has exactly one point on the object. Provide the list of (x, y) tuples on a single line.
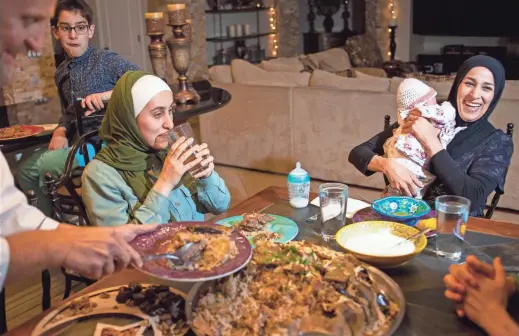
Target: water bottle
[(298, 187)]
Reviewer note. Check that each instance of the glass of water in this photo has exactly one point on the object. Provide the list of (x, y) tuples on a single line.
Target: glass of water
[(333, 198), (452, 213), (184, 130)]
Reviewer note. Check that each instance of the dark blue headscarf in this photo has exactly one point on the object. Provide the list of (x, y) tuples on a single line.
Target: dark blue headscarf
[(480, 129)]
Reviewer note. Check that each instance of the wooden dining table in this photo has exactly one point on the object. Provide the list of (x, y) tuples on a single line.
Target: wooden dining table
[(421, 280)]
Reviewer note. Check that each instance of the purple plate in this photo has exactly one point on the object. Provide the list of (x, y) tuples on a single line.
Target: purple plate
[(149, 243), (368, 214)]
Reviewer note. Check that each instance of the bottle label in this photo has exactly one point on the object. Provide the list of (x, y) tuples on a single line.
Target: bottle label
[(298, 190)]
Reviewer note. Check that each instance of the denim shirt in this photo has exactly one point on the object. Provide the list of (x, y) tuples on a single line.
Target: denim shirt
[(96, 71), (107, 197)]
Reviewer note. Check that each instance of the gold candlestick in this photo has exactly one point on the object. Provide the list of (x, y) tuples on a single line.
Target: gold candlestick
[(157, 47), (180, 48)]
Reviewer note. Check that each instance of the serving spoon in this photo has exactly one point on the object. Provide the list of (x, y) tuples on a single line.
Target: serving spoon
[(416, 235), (177, 257)]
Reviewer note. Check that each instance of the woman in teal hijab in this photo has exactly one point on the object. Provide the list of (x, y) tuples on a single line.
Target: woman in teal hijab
[(136, 177)]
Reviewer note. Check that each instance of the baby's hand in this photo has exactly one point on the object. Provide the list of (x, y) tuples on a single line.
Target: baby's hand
[(415, 112)]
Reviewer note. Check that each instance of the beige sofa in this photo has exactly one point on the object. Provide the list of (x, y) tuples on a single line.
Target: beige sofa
[(270, 128)]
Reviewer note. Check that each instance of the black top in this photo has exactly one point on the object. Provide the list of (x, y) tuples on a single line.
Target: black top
[(473, 175)]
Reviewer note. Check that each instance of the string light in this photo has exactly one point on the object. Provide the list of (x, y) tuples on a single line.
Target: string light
[(273, 37)]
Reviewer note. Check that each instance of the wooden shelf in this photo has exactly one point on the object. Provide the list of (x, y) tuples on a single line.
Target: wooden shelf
[(237, 10), (244, 37)]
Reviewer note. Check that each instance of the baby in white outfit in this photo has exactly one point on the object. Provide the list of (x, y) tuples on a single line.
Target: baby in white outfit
[(405, 148)]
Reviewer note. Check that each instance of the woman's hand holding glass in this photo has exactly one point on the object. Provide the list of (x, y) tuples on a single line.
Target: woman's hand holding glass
[(176, 165), (207, 163)]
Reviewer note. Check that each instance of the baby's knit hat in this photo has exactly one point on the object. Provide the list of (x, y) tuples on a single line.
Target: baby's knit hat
[(411, 92)]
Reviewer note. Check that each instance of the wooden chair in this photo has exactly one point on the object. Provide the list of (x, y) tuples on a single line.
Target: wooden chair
[(387, 121), (498, 192), (65, 194)]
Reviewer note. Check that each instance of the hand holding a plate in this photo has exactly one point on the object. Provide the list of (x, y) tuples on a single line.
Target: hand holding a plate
[(96, 252)]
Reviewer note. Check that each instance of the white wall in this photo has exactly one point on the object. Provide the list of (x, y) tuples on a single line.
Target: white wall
[(94, 42), (410, 45)]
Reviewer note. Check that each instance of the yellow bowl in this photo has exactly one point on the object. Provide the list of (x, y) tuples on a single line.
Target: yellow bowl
[(397, 229)]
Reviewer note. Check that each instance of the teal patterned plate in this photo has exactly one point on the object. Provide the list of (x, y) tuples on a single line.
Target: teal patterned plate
[(285, 227), (401, 207)]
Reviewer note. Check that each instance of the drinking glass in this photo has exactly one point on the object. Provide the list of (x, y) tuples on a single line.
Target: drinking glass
[(333, 198), (185, 130), (452, 213)]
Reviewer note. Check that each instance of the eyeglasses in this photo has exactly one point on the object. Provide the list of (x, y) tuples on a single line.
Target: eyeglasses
[(79, 29)]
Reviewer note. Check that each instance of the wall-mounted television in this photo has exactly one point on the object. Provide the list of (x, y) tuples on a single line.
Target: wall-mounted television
[(466, 17)]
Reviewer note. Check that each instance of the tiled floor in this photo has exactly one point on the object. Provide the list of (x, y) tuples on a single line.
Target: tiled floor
[(24, 298)]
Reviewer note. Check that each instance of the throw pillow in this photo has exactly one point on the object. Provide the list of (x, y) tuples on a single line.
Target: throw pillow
[(336, 59), (244, 72), (325, 79), (308, 64), (282, 64), (364, 51)]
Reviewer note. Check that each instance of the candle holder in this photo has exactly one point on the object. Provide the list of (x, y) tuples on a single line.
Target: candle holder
[(392, 42), (157, 48), (180, 48), (393, 67)]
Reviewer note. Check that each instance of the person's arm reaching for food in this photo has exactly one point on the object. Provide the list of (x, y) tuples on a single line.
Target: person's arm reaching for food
[(92, 252)]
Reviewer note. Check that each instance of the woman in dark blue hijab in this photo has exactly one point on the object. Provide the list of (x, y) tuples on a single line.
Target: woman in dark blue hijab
[(475, 162)]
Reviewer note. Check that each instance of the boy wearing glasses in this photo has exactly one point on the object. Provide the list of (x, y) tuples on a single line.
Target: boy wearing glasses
[(86, 73)]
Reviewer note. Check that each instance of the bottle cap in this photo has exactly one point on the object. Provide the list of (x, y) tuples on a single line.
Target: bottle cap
[(298, 170)]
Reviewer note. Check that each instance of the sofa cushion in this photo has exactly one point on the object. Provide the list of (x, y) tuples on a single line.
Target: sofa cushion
[(364, 51), (244, 72), (335, 59), (371, 72), (282, 64), (220, 74), (325, 79)]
